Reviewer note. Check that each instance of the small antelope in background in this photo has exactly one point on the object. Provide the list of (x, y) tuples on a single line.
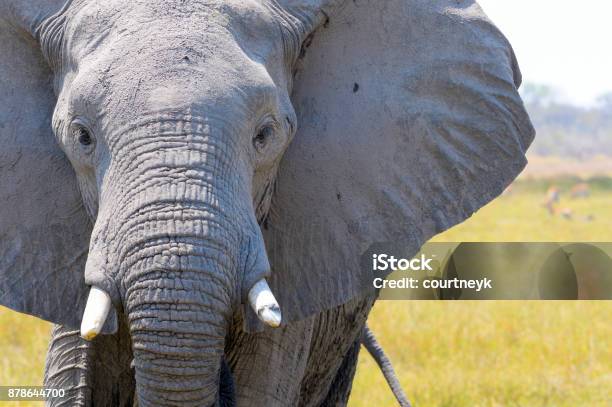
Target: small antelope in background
[(553, 194), (580, 190)]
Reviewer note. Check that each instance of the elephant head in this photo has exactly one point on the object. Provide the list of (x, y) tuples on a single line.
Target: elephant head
[(141, 157)]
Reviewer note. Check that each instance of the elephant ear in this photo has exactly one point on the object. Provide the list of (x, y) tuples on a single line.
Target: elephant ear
[(44, 229), (409, 121)]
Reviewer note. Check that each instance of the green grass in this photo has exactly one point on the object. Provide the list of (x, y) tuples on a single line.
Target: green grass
[(502, 353), (23, 345), (456, 354), (493, 354)]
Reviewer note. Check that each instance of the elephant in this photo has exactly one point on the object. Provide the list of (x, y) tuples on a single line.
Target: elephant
[(188, 187)]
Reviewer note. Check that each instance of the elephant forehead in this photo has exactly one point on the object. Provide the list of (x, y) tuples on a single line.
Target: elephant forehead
[(218, 89), (169, 62), (203, 26), (204, 97)]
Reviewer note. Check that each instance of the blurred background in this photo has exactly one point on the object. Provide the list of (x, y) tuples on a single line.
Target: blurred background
[(496, 353)]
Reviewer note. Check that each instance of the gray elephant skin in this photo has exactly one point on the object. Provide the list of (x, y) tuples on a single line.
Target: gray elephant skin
[(173, 153)]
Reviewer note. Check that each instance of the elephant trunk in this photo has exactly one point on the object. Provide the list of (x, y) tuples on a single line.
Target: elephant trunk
[(176, 244), (180, 293)]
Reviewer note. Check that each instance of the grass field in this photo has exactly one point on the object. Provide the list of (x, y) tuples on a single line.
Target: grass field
[(502, 353), (456, 354)]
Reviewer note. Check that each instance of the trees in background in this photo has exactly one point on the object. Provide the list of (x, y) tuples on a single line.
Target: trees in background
[(566, 130)]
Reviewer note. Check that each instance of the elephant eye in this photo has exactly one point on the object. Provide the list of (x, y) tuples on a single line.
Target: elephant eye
[(263, 136), (83, 135)]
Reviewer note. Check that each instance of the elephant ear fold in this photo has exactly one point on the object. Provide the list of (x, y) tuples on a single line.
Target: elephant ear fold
[(409, 121), (44, 229)]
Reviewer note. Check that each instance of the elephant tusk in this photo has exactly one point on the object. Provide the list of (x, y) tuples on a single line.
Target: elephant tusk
[(264, 304), (96, 311)]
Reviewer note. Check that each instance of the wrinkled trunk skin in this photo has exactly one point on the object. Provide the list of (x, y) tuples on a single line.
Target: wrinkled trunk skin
[(175, 231), (177, 319)]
